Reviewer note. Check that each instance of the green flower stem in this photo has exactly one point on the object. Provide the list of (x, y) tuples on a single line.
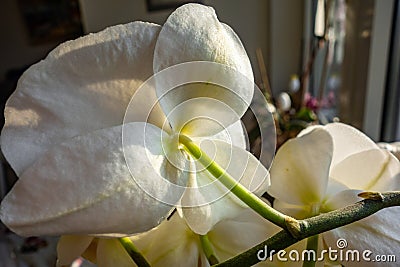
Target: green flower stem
[(135, 254), (312, 245), (316, 225), (236, 188), (208, 250)]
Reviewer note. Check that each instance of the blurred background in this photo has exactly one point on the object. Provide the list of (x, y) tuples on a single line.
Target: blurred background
[(316, 61)]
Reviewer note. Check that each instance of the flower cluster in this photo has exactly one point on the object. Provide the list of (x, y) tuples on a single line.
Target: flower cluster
[(324, 169), (95, 132)]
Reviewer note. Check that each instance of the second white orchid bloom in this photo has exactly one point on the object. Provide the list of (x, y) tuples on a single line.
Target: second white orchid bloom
[(82, 171), (179, 246), (324, 169)]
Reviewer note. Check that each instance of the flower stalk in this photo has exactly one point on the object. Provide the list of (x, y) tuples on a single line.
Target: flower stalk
[(253, 201)]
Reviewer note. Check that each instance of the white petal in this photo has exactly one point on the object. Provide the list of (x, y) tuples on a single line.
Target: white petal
[(234, 134), (375, 170), (179, 246), (69, 248), (110, 252), (347, 140), (82, 86), (229, 82), (340, 200), (210, 40), (203, 207), (84, 186), (378, 233), (155, 161), (144, 107), (198, 217), (334, 187), (202, 98), (300, 170)]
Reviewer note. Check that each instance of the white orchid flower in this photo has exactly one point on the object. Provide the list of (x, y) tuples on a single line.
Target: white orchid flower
[(180, 246), (324, 169), (64, 131)]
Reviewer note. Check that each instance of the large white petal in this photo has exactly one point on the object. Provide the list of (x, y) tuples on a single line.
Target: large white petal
[(70, 247), (84, 186), (378, 233), (300, 170), (82, 86), (375, 170), (210, 41), (347, 140)]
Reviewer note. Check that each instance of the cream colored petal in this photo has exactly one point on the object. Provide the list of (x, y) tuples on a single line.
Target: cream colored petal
[(172, 243), (374, 170), (378, 233), (82, 86), (85, 187), (300, 170), (110, 253), (229, 82), (70, 247), (347, 140)]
